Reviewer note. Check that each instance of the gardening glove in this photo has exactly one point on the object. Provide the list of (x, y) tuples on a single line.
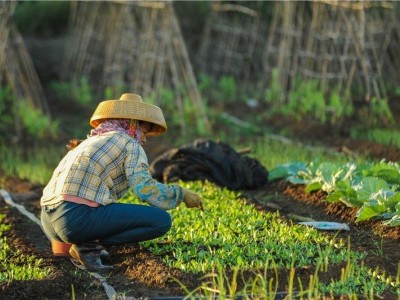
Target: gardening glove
[(192, 199)]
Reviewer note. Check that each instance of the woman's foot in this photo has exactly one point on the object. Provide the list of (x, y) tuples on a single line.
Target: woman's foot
[(62, 249)]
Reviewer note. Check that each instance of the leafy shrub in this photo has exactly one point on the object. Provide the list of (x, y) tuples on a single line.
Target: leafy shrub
[(308, 98), (22, 114), (35, 123), (381, 110), (383, 136), (80, 94), (274, 91), (204, 83), (226, 89), (177, 116), (371, 187), (6, 111), (339, 107)]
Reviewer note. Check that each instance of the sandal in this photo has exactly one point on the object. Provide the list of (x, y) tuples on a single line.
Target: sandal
[(87, 256)]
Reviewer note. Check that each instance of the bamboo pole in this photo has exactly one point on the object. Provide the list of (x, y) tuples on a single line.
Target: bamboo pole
[(6, 12), (269, 49), (161, 59), (193, 90), (205, 42), (222, 7), (22, 78), (176, 82), (357, 5)]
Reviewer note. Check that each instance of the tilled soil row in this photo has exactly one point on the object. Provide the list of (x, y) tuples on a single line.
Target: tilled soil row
[(138, 273)]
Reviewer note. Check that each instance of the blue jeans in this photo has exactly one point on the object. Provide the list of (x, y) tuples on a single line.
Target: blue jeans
[(116, 223)]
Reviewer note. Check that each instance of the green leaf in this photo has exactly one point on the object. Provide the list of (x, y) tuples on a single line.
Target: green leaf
[(394, 221), (315, 186), (277, 173), (369, 187), (334, 197), (393, 202), (370, 210), (389, 172), (348, 197), (286, 170), (296, 180)]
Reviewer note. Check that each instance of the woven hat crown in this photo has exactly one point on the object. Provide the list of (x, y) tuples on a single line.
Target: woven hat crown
[(130, 106)]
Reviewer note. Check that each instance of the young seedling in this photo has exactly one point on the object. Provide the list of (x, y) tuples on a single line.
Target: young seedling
[(219, 221)]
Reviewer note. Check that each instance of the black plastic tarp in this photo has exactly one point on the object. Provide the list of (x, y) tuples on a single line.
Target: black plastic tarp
[(216, 162)]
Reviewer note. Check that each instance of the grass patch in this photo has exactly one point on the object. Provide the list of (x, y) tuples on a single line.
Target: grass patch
[(36, 165), (272, 151), (382, 136), (14, 265)]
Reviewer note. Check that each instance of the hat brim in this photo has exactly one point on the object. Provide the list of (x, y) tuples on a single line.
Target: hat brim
[(156, 129), (133, 110)]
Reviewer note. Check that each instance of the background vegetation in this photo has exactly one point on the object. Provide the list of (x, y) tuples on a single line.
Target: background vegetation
[(237, 112)]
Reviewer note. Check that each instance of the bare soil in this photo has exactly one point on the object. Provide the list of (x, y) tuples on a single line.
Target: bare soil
[(138, 273)]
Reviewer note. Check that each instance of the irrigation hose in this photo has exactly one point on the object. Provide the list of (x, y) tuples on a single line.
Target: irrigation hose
[(8, 200)]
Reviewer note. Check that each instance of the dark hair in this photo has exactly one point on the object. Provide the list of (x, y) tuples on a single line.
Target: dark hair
[(152, 125)]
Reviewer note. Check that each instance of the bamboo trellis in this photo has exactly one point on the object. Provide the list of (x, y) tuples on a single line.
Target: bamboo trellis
[(391, 64), (163, 60), (341, 44), (16, 67), (135, 46), (229, 41), (285, 35), (21, 74), (6, 10), (101, 44)]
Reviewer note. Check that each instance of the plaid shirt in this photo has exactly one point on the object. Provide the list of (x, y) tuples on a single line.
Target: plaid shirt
[(102, 169)]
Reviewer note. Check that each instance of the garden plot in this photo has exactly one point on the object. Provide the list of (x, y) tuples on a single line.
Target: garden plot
[(270, 252)]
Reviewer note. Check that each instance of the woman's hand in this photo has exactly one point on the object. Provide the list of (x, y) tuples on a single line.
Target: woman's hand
[(192, 200)]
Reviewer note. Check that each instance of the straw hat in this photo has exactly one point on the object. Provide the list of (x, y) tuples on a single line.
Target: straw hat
[(130, 106)]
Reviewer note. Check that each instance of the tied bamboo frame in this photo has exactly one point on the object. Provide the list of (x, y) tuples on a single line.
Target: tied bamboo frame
[(138, 45), (17, 67)]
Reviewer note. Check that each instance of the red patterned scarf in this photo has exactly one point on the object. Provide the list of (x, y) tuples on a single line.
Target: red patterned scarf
[(124, 125)]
